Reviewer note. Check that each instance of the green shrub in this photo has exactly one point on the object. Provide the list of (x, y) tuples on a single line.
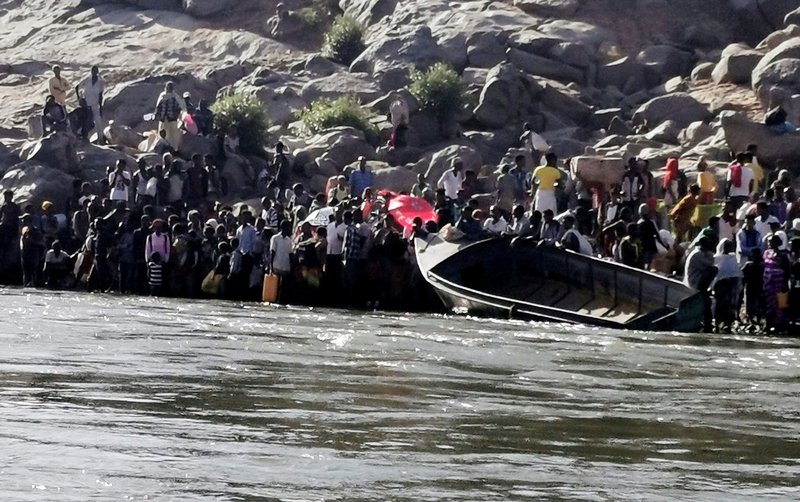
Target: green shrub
[(344, 40), (439, 90), (311, 16), (246, 113), (345, 111)]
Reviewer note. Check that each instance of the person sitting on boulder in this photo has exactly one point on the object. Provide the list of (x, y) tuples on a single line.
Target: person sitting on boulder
[(161, 145), (776, 119), (204, 118), (54, 116)]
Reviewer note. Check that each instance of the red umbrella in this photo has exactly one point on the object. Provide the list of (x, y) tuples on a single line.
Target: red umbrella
[(404, 208)]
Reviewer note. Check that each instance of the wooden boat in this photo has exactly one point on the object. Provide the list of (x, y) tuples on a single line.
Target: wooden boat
[(525, 281)]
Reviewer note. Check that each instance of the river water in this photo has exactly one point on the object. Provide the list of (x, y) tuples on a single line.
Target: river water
[(119, 398)]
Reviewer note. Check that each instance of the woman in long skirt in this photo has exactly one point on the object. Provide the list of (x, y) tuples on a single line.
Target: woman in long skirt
[(776, 267)]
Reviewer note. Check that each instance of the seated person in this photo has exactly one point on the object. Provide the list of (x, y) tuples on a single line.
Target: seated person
[(54, 116), (204, 118)]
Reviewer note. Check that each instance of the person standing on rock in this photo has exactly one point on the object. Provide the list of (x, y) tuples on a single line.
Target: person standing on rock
[(93, 89), (361, 179), (58, 86), (451, 180), (399, 116), (534, 143), (707, 183), (168, 110)]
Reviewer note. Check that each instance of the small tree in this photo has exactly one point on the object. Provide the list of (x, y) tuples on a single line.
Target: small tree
[(325, 113), (344, 41), (246, 113), (439, 91)]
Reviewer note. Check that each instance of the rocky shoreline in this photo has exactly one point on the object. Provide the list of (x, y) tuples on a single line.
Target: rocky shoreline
[(666, 87)]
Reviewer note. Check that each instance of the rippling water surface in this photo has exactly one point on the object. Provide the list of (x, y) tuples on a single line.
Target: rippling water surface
[(109, 398)]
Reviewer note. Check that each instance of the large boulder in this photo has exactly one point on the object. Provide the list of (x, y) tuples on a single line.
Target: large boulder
[(509, 95), (702, 71), (316, 64), (549, 8), (194, 144), (695, 133), (666, 61), (206, 8), (485, 50), (680, 107), (626, 74), (532, 41), (118, 134), (736, 64), (740, 131), (492, 145), (778, 84), (415, 49), (339, 146), (666, 132), (564, 104), (789, 49), (544, 67), (33, 182), (274, 90), (57, 150), (776, 38), (341, 84), (95, 160), (398, 179), (368, 12), (436, 163), (783, 73), (588, 35)]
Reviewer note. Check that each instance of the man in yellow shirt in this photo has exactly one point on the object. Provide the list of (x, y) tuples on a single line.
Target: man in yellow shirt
[(707, 183), (755, 166), (58, 86), (545, 179)]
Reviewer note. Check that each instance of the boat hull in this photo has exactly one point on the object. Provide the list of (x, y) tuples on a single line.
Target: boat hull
[(450, 269)]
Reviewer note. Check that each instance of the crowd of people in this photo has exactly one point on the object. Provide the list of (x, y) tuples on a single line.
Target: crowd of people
[(737, 241), (159, 229)]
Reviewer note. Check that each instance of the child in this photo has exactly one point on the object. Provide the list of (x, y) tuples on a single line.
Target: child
[(155, 274), (753, 282)]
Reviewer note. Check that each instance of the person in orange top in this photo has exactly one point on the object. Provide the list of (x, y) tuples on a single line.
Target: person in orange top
[(707, 183), (681, 214)]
